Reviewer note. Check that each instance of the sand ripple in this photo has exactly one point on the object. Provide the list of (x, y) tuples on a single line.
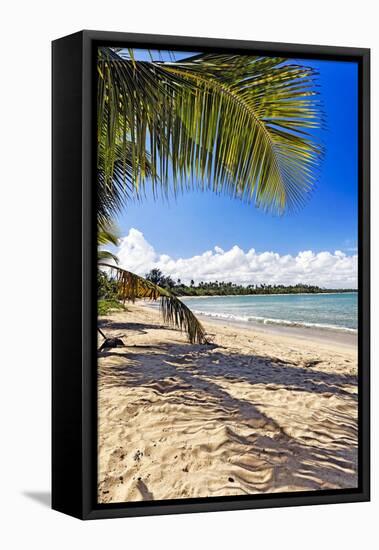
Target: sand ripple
[(251, 414)]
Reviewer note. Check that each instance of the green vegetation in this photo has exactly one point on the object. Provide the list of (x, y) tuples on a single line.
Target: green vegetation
[(106, 287), (221, 288), (107, 306), (230, 123), (107, 294)]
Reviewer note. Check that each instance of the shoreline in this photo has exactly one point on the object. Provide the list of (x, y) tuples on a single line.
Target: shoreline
[(312, 334), (254, 412), (324, 335)]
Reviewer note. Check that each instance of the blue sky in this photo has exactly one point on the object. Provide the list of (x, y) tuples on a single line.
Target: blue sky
[(198, 221)]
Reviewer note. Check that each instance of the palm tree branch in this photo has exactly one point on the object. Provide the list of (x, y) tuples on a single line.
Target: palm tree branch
[(284, 110), (236, 123), (174, 311), (106, 255)]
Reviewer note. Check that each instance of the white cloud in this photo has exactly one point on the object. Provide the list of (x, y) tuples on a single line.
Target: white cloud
[(325, 269)]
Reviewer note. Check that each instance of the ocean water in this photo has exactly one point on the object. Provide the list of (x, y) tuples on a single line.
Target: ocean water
[(337, 312)]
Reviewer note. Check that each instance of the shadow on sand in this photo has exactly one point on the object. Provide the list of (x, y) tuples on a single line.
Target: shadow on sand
[(204, 376)]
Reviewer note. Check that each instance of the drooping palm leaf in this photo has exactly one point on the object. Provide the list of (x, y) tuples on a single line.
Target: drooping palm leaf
[(103, 255), (131, 287), (234, 123), (106, 234), (252, 130), (113, 193), (135, 105)]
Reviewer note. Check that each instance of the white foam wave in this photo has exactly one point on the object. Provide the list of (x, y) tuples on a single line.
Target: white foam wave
[(269, 321)]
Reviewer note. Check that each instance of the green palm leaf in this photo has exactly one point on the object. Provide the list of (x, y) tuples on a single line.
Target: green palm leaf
[(131, 287), (237, 124), (119, 189), (106, 234), (106, 255)]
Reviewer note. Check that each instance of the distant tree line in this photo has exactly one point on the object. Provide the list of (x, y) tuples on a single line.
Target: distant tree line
[(222, 288)]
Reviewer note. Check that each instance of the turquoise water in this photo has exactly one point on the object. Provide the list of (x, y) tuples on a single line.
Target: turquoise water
[(328, 311)]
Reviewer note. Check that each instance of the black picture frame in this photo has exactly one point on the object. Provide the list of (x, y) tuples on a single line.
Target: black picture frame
[(74, 316)]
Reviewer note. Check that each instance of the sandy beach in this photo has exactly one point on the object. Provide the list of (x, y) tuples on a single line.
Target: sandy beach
[(258, 411)]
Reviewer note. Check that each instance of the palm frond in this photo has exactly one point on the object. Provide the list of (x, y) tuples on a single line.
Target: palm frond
[(106, 255), (233, 123), (114, 191), (135, 105), (131, 287), (257, 113), (107, 233)]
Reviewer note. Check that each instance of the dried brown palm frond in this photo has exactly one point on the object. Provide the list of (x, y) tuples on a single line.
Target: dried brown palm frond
[(131, 287)]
